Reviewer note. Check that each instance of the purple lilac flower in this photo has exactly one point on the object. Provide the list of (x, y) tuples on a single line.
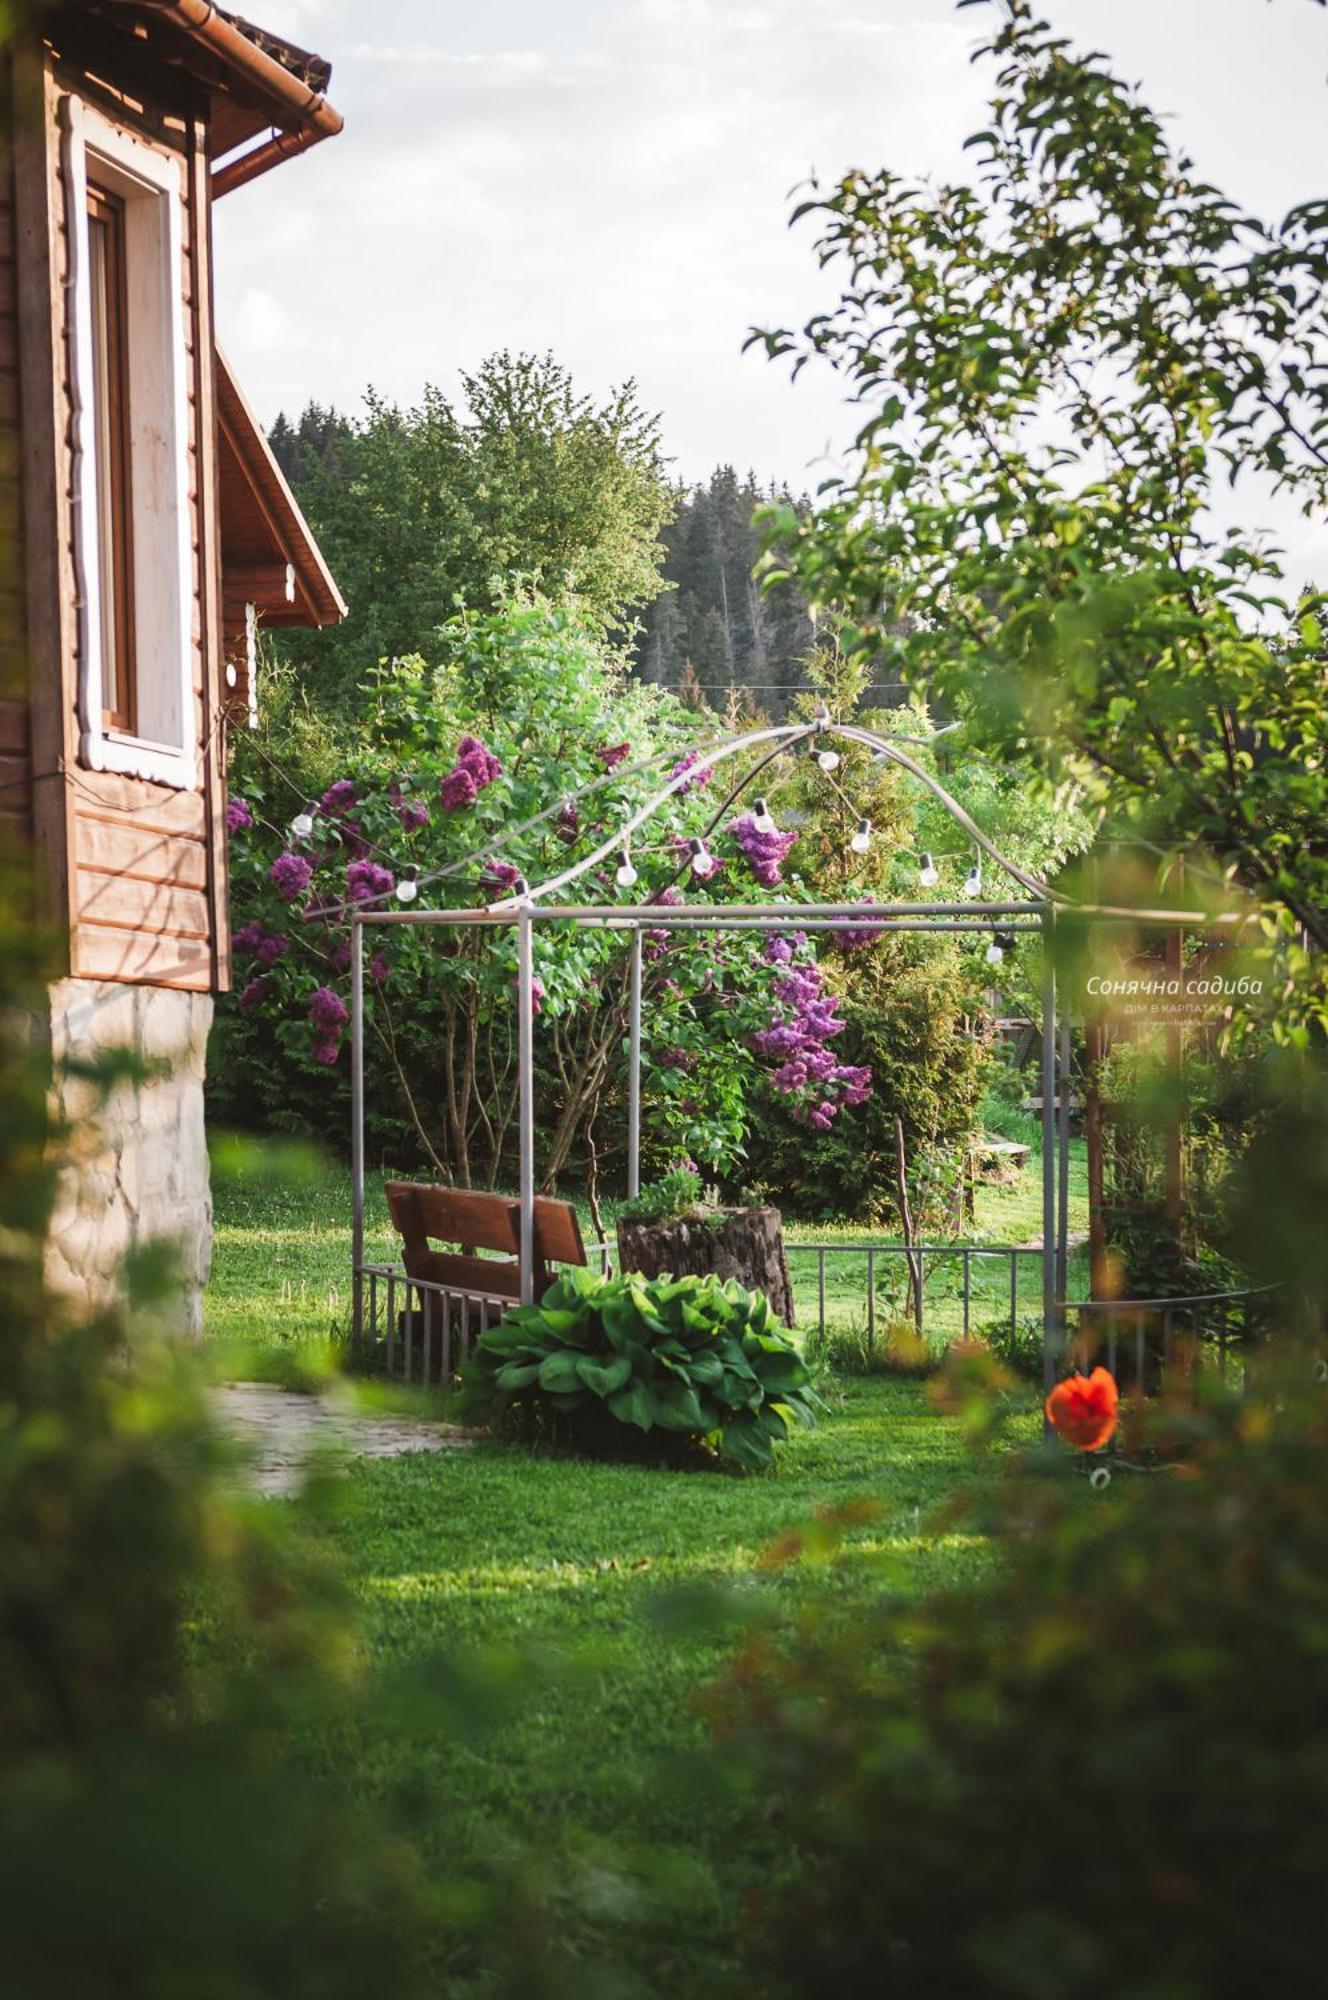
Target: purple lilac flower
[(458, 789), (855, 1082), (326, 1052), (479, 760), (327, 1011), (855, 937), (613, 754), (338, 798), (238, 815), (688, 763), (778, 951), (822, 1115), (378, 968), (270, 948), (366, 880), (764, 853), (339, 957), (567, 826), (500, 875), (255, 993), (290, 875), (247, 939)]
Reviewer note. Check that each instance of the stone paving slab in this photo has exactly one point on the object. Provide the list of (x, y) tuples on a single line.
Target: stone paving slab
[(282, 1430)]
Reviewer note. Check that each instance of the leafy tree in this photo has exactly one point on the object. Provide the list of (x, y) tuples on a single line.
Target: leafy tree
[(1057, 365), (421, 510)]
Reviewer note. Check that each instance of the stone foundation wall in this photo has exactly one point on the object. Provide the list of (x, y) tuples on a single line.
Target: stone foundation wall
[(139, 1171)]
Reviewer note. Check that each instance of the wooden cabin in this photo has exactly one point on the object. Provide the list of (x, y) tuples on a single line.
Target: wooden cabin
[(147, 535)]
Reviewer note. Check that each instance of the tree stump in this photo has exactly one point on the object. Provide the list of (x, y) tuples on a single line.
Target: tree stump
[(742, 1243)]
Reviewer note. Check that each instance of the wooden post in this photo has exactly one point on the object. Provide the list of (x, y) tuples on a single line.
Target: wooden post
[(1095, 1048)]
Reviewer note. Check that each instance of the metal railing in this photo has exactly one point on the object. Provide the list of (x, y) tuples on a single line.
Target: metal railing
[(928, 1258), (441, 1321), (1145, 1333)]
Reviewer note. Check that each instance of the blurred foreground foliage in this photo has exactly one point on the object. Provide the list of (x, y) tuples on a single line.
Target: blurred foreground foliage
[(165, 1644), (1103, 1774)]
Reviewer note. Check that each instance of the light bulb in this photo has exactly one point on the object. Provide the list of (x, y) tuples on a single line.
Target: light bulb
[(861, 840), (626, 874), (702, 860), (929, 874), (763, 819), (408, 888), (994, 953), (828, 759), (302, 825), (973, 881)]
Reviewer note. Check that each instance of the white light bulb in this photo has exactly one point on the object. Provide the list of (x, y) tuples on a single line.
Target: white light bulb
[(861, 840), (973, 881), (763, 819), (702, 863), (302, 826), (929, 874), (994, 953), (408, 887), (626, 874), (828, 759)]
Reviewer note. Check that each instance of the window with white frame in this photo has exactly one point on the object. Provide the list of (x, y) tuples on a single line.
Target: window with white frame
[(128, 376)]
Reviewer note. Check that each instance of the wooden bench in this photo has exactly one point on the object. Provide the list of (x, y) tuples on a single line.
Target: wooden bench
[(473, 1222)]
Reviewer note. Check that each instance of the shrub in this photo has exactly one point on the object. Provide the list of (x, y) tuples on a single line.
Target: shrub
[(688, 1357), (893, 1348), (1018, 1345), (1143, 1681)]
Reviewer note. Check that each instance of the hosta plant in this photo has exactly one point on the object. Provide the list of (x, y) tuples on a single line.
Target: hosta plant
[(687, 1357)]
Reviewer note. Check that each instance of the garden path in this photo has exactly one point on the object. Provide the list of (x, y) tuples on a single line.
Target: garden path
[(283, 1431)]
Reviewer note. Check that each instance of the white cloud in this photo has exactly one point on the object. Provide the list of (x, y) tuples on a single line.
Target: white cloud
[(610, 178), (621, 200)]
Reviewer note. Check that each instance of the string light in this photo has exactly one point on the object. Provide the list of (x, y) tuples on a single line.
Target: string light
[(1002, 942), (763, 819), (408, 888), (861, 840), (929, 874), (827, 759), (626, 874), (703, 861), (995, 952), (973, 880), (302, 826)]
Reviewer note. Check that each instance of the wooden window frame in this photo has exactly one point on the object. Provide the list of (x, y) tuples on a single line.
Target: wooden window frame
[(106, 210), (164, 743)]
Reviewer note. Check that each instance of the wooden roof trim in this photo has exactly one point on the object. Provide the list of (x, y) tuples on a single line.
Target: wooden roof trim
[(291, 533), (242, 60)]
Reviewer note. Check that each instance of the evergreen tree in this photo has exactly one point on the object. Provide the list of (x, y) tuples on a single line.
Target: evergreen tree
[(716, 620)]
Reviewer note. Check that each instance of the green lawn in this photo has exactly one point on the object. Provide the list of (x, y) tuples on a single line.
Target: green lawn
[(578, 1565)]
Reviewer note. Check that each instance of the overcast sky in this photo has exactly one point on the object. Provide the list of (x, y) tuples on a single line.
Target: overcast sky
[(610, 179)]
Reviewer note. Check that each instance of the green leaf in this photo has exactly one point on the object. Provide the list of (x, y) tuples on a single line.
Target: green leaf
[(605, 1377), (559, 1371), (634, 1405)]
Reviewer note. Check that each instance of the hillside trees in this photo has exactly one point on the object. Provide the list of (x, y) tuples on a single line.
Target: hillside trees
[(714, 618)]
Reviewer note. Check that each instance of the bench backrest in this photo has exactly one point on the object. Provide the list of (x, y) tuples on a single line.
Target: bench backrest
[(476, 1221)]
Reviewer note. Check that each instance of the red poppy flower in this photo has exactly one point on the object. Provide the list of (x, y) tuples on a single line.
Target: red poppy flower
[(1083, 1409)]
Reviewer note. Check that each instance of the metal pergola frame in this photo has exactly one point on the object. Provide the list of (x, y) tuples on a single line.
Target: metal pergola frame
[(1034, 911)]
